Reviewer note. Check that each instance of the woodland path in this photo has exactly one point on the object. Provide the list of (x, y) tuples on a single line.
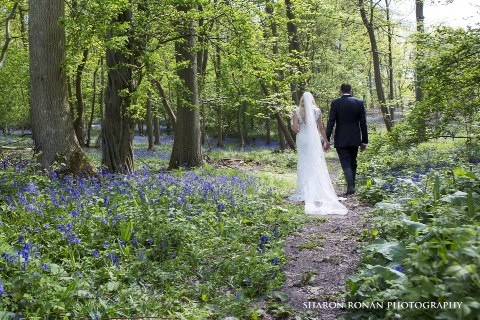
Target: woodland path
[(323, 255)]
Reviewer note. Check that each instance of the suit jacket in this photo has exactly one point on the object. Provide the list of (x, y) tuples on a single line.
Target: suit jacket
[(347, 115)]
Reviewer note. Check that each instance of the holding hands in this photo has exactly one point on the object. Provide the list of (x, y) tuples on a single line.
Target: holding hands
[(326, 146)]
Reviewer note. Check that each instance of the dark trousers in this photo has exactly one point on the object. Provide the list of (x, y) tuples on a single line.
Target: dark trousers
[(348, 160)]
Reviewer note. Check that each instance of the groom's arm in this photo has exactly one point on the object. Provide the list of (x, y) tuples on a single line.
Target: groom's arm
[(363, 124), (331, 120)]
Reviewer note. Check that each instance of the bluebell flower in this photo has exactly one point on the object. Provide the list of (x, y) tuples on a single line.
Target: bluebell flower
[(115, 259), (106, 245), (9, 258), (31, 188), (96, 254), (2, 289), (276, 261), (221, 207), (399, 268), (134, 242), (75, 214), (46, 267)]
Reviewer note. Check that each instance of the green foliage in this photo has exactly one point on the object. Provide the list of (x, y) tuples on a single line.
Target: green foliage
[(451, 104), (424, 232)]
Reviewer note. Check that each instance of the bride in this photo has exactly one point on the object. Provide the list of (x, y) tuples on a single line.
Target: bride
[(314, 186)]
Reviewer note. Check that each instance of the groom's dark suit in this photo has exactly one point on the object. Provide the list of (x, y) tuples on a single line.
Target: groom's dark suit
[(347, 115)]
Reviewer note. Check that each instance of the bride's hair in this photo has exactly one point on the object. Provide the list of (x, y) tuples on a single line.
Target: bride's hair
[(301, 110)]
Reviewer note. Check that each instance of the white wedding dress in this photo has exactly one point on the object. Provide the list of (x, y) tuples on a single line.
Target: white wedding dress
[(314, 185)]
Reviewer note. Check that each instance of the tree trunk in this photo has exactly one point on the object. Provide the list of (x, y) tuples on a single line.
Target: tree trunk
[(420, 30), (286, 133), (294, 49), (391, 86), (268, 129), (118, 127), (101, 102), (92, 109), (78, 123), (281, 137), (241, 128), (8, 36), (220, 140), (166, 104), (376, 64), (218, 77), (187, 149), (156, 130), (150, 121), (421, 123), (52, 125)]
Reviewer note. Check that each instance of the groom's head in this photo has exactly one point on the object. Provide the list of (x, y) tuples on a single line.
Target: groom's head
[(345, 88)]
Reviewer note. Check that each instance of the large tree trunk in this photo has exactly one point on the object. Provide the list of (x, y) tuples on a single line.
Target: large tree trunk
[(187, 150), (368, 22), (150, 121), (53, 133), (92, 109), (78, 123), (118, 127)]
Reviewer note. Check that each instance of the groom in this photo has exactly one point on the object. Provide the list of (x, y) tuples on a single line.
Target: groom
[(348, 115)]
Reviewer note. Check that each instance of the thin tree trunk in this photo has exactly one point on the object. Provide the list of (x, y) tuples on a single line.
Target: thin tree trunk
[(187, 150), (376, 63), (92, 109), (220, 141), (101, 102), (8, 37), (166, 104), (281, 136), (78, 123), (150, 121), (294, 49), (241, 128), (286, 133), (218, 76), (156, 130), (118, 127), (268, 129), (53, 133), (420, 30), (420, 19), (391, 87)]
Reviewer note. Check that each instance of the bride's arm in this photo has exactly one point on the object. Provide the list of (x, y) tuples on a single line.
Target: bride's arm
[(295, 123), (321, 129)]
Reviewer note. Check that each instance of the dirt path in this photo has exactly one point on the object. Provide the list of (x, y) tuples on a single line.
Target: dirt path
[(322, 256)]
